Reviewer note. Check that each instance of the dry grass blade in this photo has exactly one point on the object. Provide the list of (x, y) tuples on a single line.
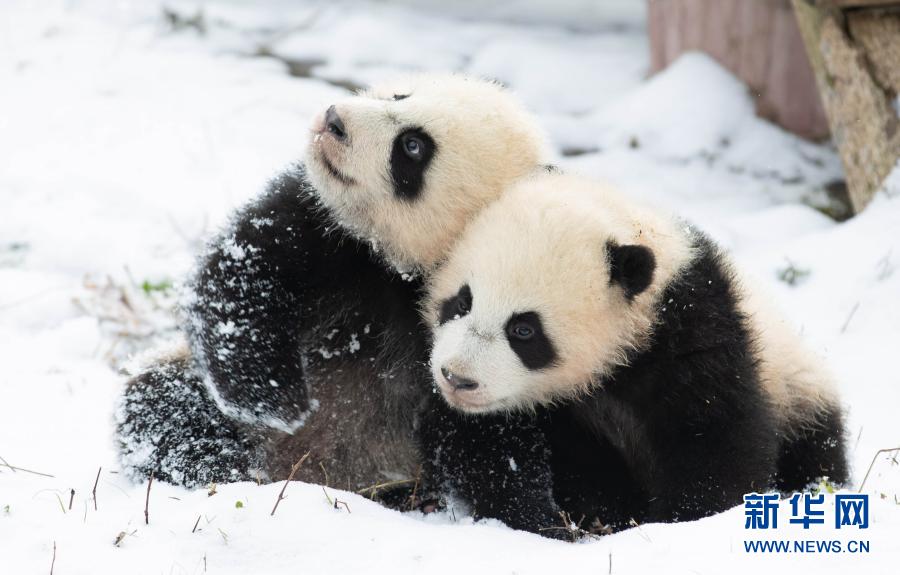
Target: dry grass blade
[(872, 464), (372, 490)]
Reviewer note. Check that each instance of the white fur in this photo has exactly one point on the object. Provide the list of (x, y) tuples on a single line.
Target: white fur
[(485, 140), (542, 247), (796, 380)]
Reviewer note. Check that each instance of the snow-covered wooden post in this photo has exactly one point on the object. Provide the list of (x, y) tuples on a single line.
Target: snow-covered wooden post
[(757, 40), (854, 47)]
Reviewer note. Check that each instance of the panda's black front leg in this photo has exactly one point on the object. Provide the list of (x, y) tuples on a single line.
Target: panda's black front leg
[(500, 464), (254, 295)]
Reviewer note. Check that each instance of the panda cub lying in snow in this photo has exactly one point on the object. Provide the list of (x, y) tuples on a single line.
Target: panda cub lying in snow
[(641, 380)]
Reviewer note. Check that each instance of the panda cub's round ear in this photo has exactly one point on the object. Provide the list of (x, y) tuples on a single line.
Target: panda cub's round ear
[(631, 267)]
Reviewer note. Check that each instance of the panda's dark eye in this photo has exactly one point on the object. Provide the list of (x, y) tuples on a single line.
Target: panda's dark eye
[(529, 341), (412, 147), (398, 97), (411, 154), (457, 306), (521, 331)]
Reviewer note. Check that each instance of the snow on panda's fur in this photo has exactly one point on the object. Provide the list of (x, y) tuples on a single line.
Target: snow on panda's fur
[(303, 336), (657, 386)]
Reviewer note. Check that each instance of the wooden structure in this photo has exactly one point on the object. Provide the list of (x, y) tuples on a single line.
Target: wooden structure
[(758, 41), (813, 66), (854, 47)]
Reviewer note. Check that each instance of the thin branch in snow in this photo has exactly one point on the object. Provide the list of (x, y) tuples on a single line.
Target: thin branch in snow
[(849, 317), (71, 498), (570, 527), (196, 523), (53, 563), (294, 469), (147, 501), (4, 463), (872, 464), (94, 492)]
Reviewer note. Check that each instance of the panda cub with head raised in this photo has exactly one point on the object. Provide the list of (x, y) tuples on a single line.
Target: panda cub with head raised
[(637, 356), (302, 315)]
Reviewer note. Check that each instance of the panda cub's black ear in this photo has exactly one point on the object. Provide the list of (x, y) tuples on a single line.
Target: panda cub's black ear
[(631, 267)]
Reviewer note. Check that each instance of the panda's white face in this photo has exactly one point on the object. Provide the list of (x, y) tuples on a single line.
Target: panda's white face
[(547, 291), (409, 163)]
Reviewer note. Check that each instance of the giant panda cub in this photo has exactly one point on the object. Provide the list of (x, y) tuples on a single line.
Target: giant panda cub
[(302, 316), (649, 384)]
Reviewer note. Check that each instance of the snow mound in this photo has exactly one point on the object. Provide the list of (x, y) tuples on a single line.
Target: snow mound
[(695, 109)]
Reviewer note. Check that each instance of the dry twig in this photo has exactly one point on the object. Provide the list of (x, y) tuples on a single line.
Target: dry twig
[(871, 465), (294, 469), (147, 501), (14, 469), (94, 492)]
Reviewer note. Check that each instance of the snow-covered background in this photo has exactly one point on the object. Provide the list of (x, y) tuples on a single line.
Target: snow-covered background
[(128, 132)]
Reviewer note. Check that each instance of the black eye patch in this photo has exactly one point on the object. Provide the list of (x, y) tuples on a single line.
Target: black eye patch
[(526, 336), (411, 153), (457, 306), (398, 97)]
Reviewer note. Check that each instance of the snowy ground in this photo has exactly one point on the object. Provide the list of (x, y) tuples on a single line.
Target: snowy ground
[(126, 136)]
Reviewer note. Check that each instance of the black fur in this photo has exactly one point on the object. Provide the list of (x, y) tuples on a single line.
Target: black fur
[(631, 267), (535, 351), (456, 306), (408, 170), (167, 418), (499, 464), (681, 432), (815, 453), (282, 302)]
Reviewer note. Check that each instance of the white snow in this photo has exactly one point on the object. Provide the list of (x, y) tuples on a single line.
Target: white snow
[(124, 143)]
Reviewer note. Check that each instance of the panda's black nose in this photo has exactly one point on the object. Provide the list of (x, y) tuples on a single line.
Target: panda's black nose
[(459, 383), (334, 124)]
